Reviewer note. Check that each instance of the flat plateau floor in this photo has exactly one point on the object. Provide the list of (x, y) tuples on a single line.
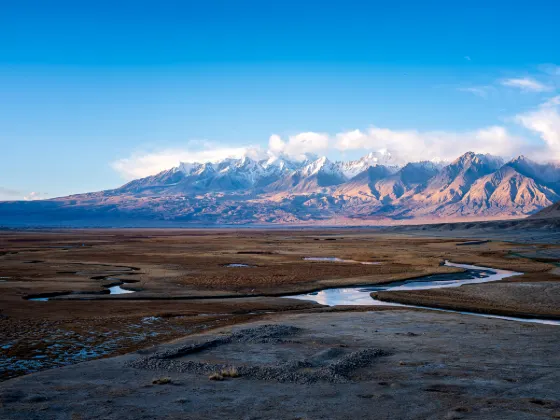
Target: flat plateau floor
[(314, 362), (375, 365)]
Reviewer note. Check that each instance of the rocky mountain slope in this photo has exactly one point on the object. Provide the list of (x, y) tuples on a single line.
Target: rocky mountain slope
[(373, 189)]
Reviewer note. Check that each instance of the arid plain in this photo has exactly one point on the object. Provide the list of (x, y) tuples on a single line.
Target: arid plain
[(63, 301)]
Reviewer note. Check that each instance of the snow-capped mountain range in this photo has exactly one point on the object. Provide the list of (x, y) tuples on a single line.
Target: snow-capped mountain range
[(266, 175), (373, 189)]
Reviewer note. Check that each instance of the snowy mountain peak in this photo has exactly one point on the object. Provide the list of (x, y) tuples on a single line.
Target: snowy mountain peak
[(280, 189), (275, 162), (186, 167), (323, 165), (382, 157), (470, 158), (546, 172)]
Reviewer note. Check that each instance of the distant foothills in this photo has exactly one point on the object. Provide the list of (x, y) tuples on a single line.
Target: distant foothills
[(373, 190)]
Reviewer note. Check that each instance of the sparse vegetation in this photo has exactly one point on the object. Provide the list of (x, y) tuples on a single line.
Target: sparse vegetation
[(39, 337), (216, 377), (230, 373), (161, 381)]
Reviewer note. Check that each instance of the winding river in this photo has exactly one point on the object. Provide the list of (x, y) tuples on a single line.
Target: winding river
[(114, 289), (360, 295)]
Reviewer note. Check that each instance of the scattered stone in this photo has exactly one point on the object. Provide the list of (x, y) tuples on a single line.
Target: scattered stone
[(294, 371)]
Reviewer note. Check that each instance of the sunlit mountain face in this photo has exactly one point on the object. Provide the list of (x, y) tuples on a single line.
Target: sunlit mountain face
[(316, 190)]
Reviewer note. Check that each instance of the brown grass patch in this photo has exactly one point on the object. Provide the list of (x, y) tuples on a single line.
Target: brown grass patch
[(230, 373)]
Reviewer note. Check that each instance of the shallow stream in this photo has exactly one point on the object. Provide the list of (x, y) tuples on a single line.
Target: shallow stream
[(360, 295), (116, 289), (336, 259)]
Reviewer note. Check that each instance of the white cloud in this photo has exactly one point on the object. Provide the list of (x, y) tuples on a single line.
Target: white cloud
[(414, 145), (481, 91), (405, 145), (468, 58), (526, 84), (276, 145), (545, 121), (33, 195), (298, 145), (9, 194), (144, 164), (551, 69), (552, 102)]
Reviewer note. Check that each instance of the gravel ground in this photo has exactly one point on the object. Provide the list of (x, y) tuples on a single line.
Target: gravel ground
[(394, 364), (305, 370)]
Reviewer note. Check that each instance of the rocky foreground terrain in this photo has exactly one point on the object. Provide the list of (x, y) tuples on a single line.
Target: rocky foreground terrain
[(360, 365), (372, 190)]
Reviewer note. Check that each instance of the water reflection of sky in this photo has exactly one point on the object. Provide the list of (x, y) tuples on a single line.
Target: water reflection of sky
[(336, 259), (348, 296), (118, 290), (361, 295)]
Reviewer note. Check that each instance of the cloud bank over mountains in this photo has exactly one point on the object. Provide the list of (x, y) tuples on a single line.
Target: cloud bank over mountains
[(532, 132), (541, 141)]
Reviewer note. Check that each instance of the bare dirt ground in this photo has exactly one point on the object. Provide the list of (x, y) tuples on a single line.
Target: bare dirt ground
[(382, 365), (183, 286)]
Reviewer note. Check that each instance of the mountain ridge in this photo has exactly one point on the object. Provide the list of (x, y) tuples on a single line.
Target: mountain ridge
[(316, 190)]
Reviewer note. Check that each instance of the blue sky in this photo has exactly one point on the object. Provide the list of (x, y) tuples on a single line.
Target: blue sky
[(95, 93)]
